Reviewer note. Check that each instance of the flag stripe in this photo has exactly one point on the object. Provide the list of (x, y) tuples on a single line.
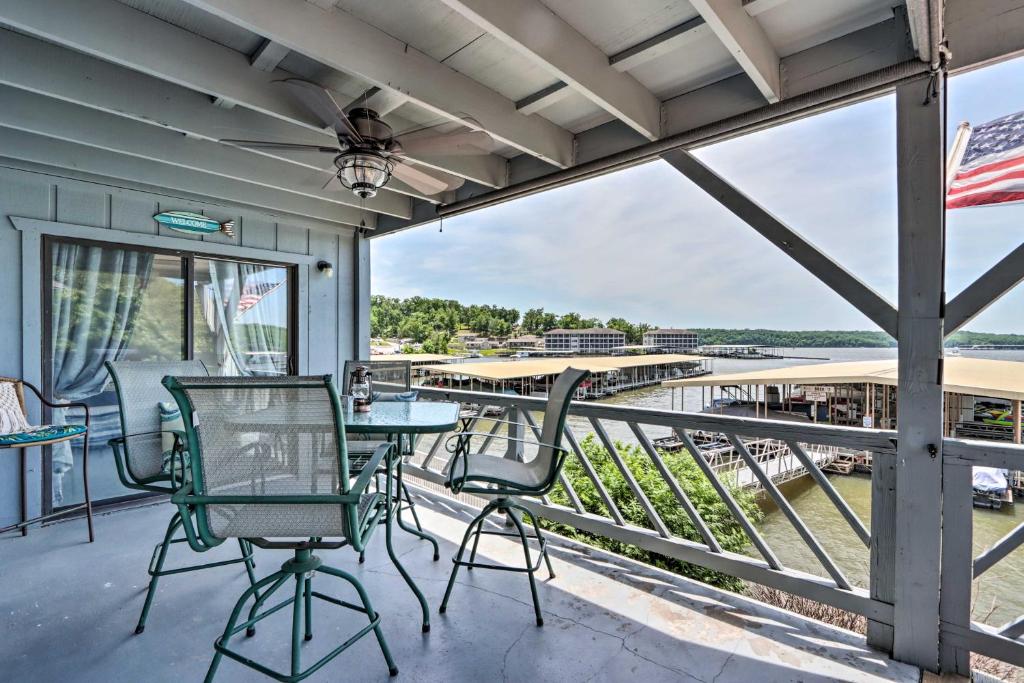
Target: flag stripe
[(986, 198)]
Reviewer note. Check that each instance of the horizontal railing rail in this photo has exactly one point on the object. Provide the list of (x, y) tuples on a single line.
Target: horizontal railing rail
[(489, 413)]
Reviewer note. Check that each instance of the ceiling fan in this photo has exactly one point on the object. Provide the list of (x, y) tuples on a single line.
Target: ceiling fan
[(369, 153)]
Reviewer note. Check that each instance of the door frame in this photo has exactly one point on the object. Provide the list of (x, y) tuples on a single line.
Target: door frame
[(297, 279)]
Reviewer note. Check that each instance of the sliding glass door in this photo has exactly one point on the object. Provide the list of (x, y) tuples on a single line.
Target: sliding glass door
[(102, 302)]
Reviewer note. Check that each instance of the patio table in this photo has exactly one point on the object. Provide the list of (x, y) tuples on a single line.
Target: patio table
[(405, 417)]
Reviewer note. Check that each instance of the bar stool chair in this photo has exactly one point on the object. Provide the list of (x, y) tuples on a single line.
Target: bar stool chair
[(282, 499), (150, 456), (491, 475)]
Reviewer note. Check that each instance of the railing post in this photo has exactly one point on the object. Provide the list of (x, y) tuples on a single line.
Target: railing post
[(516, 433), (882, 581), (920, 157), (957, 564)]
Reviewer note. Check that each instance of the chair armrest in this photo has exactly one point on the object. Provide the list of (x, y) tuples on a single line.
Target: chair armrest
[(370, 468), (184, 496), (469, 435)]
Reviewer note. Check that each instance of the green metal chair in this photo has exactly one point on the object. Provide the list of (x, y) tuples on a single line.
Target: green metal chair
[(398, 375), (257, 447), (491, 475), (142, 461)]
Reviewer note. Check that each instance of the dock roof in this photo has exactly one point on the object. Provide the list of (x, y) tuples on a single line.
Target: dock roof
[(552, 366), (976, 376), (416, 357)]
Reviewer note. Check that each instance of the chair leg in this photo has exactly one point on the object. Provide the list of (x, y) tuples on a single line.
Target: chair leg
[(85, 486), (412, 506), (277, 578), (308, 595), (250, 631), (476, 544), (155, 571), (540, 540), (529, 564), (300, 585), (477, 521), (250, 564), (368, 606)]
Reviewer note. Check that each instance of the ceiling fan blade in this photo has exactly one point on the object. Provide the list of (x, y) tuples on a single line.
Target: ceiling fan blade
[(427, 182), (285, 146), (333, 183), (455, 144), (321, 103)]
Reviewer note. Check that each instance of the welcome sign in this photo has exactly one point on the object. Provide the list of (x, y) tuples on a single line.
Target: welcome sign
[(185, 221)]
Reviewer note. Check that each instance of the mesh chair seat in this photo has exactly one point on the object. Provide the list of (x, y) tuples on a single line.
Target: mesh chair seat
[(288, 521), (492, 469)]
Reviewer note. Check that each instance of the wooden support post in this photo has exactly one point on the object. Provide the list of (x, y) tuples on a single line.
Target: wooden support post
[(920, 157), (361, 295)]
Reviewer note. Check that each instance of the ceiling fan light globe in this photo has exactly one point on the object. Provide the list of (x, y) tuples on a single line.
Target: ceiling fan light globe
[(363, 173)]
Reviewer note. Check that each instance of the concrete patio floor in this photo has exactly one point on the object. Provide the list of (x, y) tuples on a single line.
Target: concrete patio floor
[(69, 610)]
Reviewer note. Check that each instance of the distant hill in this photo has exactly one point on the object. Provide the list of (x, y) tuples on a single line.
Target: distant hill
[(796, 338), (838, 338)]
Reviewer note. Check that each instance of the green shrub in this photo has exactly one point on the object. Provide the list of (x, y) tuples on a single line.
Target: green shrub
[(693, 482)]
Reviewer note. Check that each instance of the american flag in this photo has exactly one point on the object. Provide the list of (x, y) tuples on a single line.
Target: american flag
[(992, 170), (253, 293)]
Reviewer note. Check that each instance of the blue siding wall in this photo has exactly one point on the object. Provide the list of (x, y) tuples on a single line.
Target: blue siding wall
[(326, 335)]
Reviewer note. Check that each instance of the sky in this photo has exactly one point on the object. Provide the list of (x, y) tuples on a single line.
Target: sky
[(647, 245)]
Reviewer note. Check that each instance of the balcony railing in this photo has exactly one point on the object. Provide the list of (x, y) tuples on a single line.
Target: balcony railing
[(518, 414), (808, 446)]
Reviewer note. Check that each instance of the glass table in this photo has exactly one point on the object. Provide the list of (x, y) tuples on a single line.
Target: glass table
[(395, 418)]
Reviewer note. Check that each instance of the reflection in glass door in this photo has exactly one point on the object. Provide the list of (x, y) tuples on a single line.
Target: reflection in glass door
[(240, 317), (105, 303)]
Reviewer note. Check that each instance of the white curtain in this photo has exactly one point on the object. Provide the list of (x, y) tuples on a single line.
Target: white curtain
[(243, 330), (95, 301)]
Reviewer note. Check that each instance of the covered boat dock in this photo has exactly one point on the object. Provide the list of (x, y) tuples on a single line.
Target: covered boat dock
[(609, 374), (862, 393)]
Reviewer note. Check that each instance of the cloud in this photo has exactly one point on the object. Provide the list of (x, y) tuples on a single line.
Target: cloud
[(647, 245)]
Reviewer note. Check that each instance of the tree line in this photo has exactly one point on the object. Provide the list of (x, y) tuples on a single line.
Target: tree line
[(433, 322), (428, 320)]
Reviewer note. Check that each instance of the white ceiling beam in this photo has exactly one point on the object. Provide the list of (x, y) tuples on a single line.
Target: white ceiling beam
[(340, 41), (544, 98), (42, 115), (47, 69), (268, 56), (670, 40), (171, 54), (381, 101), (535, 31), (79, 161), (981, 32), (746, 41), (756, 7), (920, 33), (673, 39)]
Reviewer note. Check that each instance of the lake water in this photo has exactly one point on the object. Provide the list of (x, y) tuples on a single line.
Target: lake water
[(998, 594)]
